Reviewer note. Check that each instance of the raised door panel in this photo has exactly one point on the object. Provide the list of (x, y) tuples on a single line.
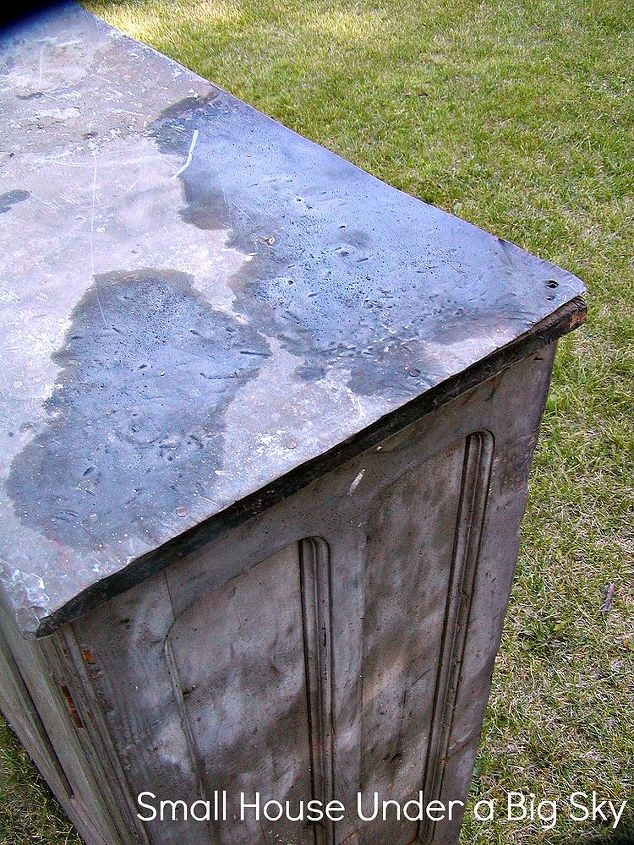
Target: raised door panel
[(244, 660), (423, 536), (257, 663)]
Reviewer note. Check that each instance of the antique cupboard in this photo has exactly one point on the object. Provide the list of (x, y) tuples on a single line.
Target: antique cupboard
[(267, 426)]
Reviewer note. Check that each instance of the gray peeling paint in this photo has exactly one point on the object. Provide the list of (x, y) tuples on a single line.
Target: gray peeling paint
[(195, 302)]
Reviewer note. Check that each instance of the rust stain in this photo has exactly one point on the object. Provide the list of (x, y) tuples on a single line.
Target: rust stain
[(72, 709)]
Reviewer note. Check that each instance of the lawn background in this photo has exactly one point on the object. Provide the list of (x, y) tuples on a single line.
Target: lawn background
[(517, 117)]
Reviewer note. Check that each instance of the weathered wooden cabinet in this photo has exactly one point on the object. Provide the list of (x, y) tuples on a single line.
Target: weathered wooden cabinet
[(267, 426)]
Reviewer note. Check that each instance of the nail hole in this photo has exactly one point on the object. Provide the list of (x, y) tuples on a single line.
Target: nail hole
[(552, 284)]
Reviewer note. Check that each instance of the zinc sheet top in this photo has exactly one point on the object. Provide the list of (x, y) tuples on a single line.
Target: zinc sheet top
[(195, 301)]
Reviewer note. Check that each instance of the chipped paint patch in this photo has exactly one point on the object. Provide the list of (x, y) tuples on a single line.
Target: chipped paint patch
[(11, 198)]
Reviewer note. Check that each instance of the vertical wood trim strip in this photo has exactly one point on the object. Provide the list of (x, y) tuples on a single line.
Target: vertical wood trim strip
[(194, 756), (96, 741), (315, 575), (29, 713), (348, 550), (473, 500)]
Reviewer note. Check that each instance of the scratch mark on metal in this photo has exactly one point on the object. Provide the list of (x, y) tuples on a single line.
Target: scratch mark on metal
[(190, 155), (356, 482), (92, 234), (39, 80)]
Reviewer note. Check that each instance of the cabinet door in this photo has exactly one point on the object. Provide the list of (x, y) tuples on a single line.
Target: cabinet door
[(421, 556), (245, 663), (276, 700)]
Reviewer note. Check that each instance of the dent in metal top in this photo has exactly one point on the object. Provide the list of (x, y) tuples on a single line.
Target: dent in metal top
[(196, 301)]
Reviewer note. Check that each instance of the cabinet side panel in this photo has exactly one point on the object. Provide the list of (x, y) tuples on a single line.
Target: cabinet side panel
[(33, 698), (19, 709)]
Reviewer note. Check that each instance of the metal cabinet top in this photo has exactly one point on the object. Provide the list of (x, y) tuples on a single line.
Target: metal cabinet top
[(201, 310)]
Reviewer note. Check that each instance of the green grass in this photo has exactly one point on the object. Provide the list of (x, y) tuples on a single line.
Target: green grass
[(28, 812), (517, 117)]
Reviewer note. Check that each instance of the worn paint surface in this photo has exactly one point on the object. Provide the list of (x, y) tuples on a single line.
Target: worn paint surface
[(195, 301)]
